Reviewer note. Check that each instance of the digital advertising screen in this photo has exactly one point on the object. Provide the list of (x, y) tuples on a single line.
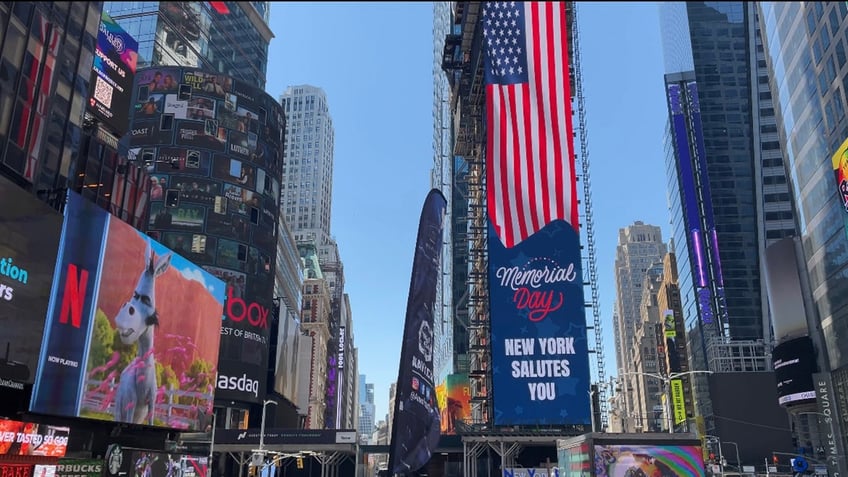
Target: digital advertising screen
[(217, 191), (540, 352), (133, 329), (454, 397), (794, 365), (125, 462), (29, 238), (839, 162), (29, 438), (648, 460), (115, 60)]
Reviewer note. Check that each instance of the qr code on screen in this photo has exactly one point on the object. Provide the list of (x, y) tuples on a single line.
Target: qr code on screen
[(103, 92)]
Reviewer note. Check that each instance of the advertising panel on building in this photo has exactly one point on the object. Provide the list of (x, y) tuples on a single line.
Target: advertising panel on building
[(132, 331), (619, 460), (79, 468), (19, 438), (678, 401), (840, 172), (115, 60), (217, 162), (794, 365), (454, 397), (539, 349), (29, 238), (672, 327), (126, 462)]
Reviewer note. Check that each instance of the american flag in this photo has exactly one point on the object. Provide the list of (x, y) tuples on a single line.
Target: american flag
[(530, 163)]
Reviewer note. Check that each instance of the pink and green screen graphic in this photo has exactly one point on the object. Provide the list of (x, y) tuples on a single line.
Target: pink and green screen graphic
[(648, 461)]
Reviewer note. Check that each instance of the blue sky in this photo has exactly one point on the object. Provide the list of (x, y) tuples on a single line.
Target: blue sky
[(374, 61)]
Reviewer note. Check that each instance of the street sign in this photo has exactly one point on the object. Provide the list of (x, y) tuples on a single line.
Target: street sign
[(257, 459)]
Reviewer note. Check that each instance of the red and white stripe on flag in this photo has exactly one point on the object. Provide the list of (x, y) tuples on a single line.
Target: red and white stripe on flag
[(530, 154)]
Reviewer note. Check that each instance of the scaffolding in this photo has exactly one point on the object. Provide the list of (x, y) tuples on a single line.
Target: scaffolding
[(463, 61), (590, 259)]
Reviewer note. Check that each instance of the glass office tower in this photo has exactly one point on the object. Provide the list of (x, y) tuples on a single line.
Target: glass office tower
[(46, 55), (806, 47), (724, 175), (228, 37)]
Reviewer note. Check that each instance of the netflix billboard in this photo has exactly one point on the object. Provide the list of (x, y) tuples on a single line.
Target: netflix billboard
[(133, 329), (29, 237)]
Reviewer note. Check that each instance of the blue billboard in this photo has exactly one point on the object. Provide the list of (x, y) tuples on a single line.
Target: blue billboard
[(540, 352)]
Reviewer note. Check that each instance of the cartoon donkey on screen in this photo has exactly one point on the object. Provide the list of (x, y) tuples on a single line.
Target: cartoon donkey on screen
[(136, 395)]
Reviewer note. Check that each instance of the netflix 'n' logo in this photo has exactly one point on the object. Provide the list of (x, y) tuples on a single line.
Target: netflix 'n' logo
[(73, 297)]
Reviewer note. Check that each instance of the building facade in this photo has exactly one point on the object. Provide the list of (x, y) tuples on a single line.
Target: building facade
[(367, 410), (288, 300), (307, 196), (639, 247), (440, 178), (727, 198), (718, 93), (805, 46), (316, 316), (214, 146), (47, 55), (674, 358), (649, 391), (230, 38), (307, 186)]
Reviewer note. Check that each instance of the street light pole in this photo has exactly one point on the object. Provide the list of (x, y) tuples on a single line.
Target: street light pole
[(592, 407), (738, 460), (262, 426)]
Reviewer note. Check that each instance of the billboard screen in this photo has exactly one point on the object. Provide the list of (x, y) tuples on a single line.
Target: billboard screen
[(840, 172), (454, 397), (217, 144), (29, 237), (132, 330), (125, 462), (115, 60), (540, 352), (649, 460), (678, 401), (794, 366), (29, 438)]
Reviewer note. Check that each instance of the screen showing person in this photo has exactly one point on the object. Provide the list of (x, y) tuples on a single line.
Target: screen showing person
[(151, 106)]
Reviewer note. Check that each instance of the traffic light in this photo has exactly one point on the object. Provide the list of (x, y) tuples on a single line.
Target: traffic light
[(712, 456), (300, 462), (774, 459)]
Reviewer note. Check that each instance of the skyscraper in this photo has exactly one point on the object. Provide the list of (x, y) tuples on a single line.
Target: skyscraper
[(640, 246), (307, 187), (306, 203), (367, 410), (723, 168), (227, 37), (715, 66), (806, 44)]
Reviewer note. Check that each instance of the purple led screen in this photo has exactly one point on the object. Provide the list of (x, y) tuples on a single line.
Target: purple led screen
[(715, 263), (690, 199)]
